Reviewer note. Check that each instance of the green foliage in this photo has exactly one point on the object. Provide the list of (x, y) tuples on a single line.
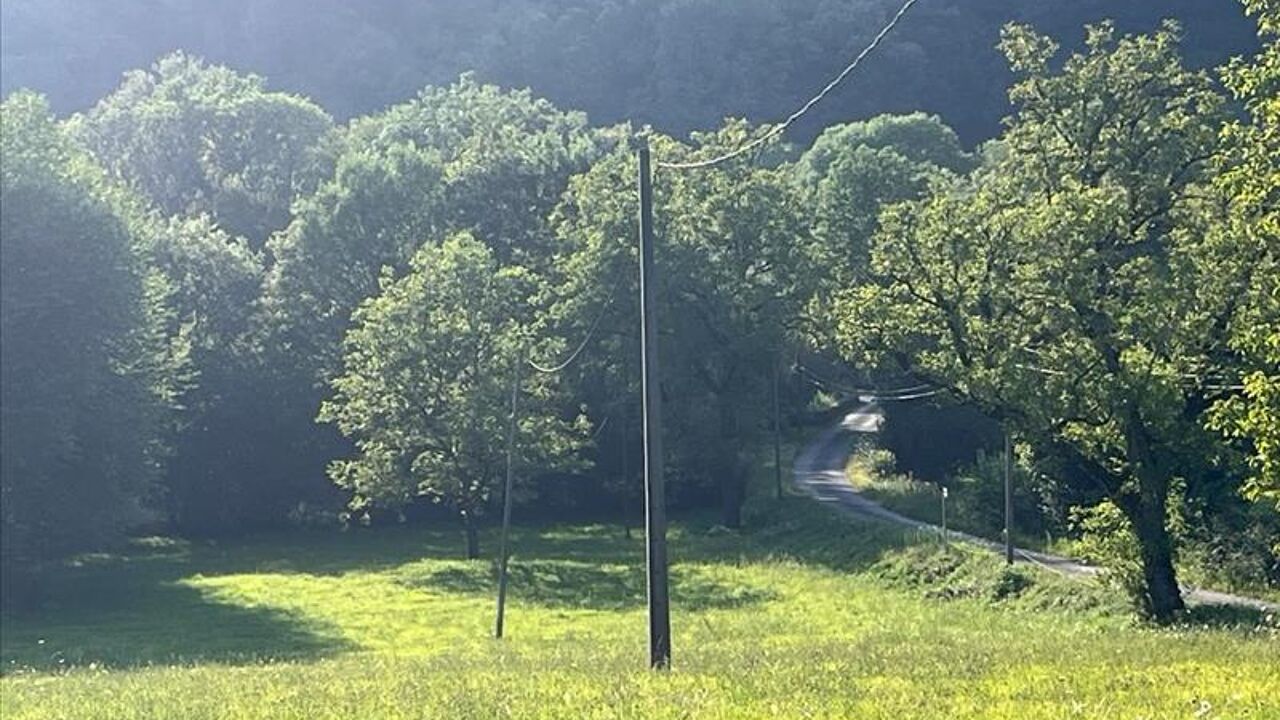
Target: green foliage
[(1073, 288), (849, 174), (1107, 539), (377, 209), (920, 139), (1252, 178), (978, 493), (729, 265), (466, 157), (199, 139), (427, 384), (1104, 281), (89, 373), (506, 158), (876, 461), (216, 281)]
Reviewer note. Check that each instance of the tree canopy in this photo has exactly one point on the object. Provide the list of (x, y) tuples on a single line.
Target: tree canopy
[(1077, 288), (1253, 181), (88, 373), (430, 366), (679, 65), (194, 138)]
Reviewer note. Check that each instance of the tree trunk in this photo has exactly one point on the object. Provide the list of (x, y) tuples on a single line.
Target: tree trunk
[(731, 476), (623, 437), (1148, 513), (731, 496), (473, 534), (1161, 598), (624, 510)]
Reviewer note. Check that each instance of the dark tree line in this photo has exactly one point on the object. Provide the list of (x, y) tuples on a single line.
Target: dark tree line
[(679, 65)]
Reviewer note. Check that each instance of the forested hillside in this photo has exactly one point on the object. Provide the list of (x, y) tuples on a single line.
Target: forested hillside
[(679, 65)]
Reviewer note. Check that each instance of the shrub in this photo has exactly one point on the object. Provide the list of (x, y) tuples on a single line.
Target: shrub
[(978, 492)]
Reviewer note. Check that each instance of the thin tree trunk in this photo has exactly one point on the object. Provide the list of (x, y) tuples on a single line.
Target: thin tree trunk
[(731, 480), (473, 534), (731, 495), (623, 428)]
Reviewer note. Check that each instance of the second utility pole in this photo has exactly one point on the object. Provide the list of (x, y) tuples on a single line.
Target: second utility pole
[(503, 556), (655, 501), (1008, 498)]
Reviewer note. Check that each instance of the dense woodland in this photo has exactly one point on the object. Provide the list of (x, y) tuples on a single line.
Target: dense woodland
[(228, 307), (678, 65)]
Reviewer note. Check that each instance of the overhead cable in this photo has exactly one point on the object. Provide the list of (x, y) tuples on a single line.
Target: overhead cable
[(912, 392), (780, 128), (578, 351)]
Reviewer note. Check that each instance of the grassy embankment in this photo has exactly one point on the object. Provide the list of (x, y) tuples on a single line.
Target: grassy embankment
[(923, 501), (803, 615)]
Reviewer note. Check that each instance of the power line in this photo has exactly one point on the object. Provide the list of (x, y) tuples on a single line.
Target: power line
[(915, 396), (578, 351), (782, 127), (912, 392), (600, 428)]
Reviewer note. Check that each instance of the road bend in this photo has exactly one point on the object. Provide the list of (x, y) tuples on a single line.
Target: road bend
[(819, 472)]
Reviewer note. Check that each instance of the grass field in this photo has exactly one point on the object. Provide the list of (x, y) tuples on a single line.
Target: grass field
[(804, 615)]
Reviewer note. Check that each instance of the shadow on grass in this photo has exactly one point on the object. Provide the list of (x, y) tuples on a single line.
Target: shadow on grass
[(567, 584), (1227, 617), (135, 610), (379, 549)]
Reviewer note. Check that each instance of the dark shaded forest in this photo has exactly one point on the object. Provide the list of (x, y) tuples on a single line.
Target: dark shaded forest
[(679, 65)]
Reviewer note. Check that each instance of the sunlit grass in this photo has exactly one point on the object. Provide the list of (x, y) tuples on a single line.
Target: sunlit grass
[(900, 493), (804, 615)]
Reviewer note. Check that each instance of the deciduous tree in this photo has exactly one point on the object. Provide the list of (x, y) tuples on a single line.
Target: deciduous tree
[(203, 139), (1074, 288), (426, 389), (88, 374), (1253, 182)]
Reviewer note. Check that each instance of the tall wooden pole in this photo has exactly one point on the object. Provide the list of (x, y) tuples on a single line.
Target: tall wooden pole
[(1008, 498), (655, 501), (503, 555)]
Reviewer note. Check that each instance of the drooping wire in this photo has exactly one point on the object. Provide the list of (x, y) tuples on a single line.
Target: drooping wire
[(912, 392), (577, 351), (913, 396), (780, 128), (600, 429)]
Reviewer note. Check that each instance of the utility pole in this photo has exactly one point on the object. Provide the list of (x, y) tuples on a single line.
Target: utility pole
[(506, 499), (1008, 498), (777, 427), (944, 515), (655, 502)]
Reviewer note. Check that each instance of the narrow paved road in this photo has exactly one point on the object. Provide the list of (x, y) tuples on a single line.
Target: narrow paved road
[(819, 472)]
